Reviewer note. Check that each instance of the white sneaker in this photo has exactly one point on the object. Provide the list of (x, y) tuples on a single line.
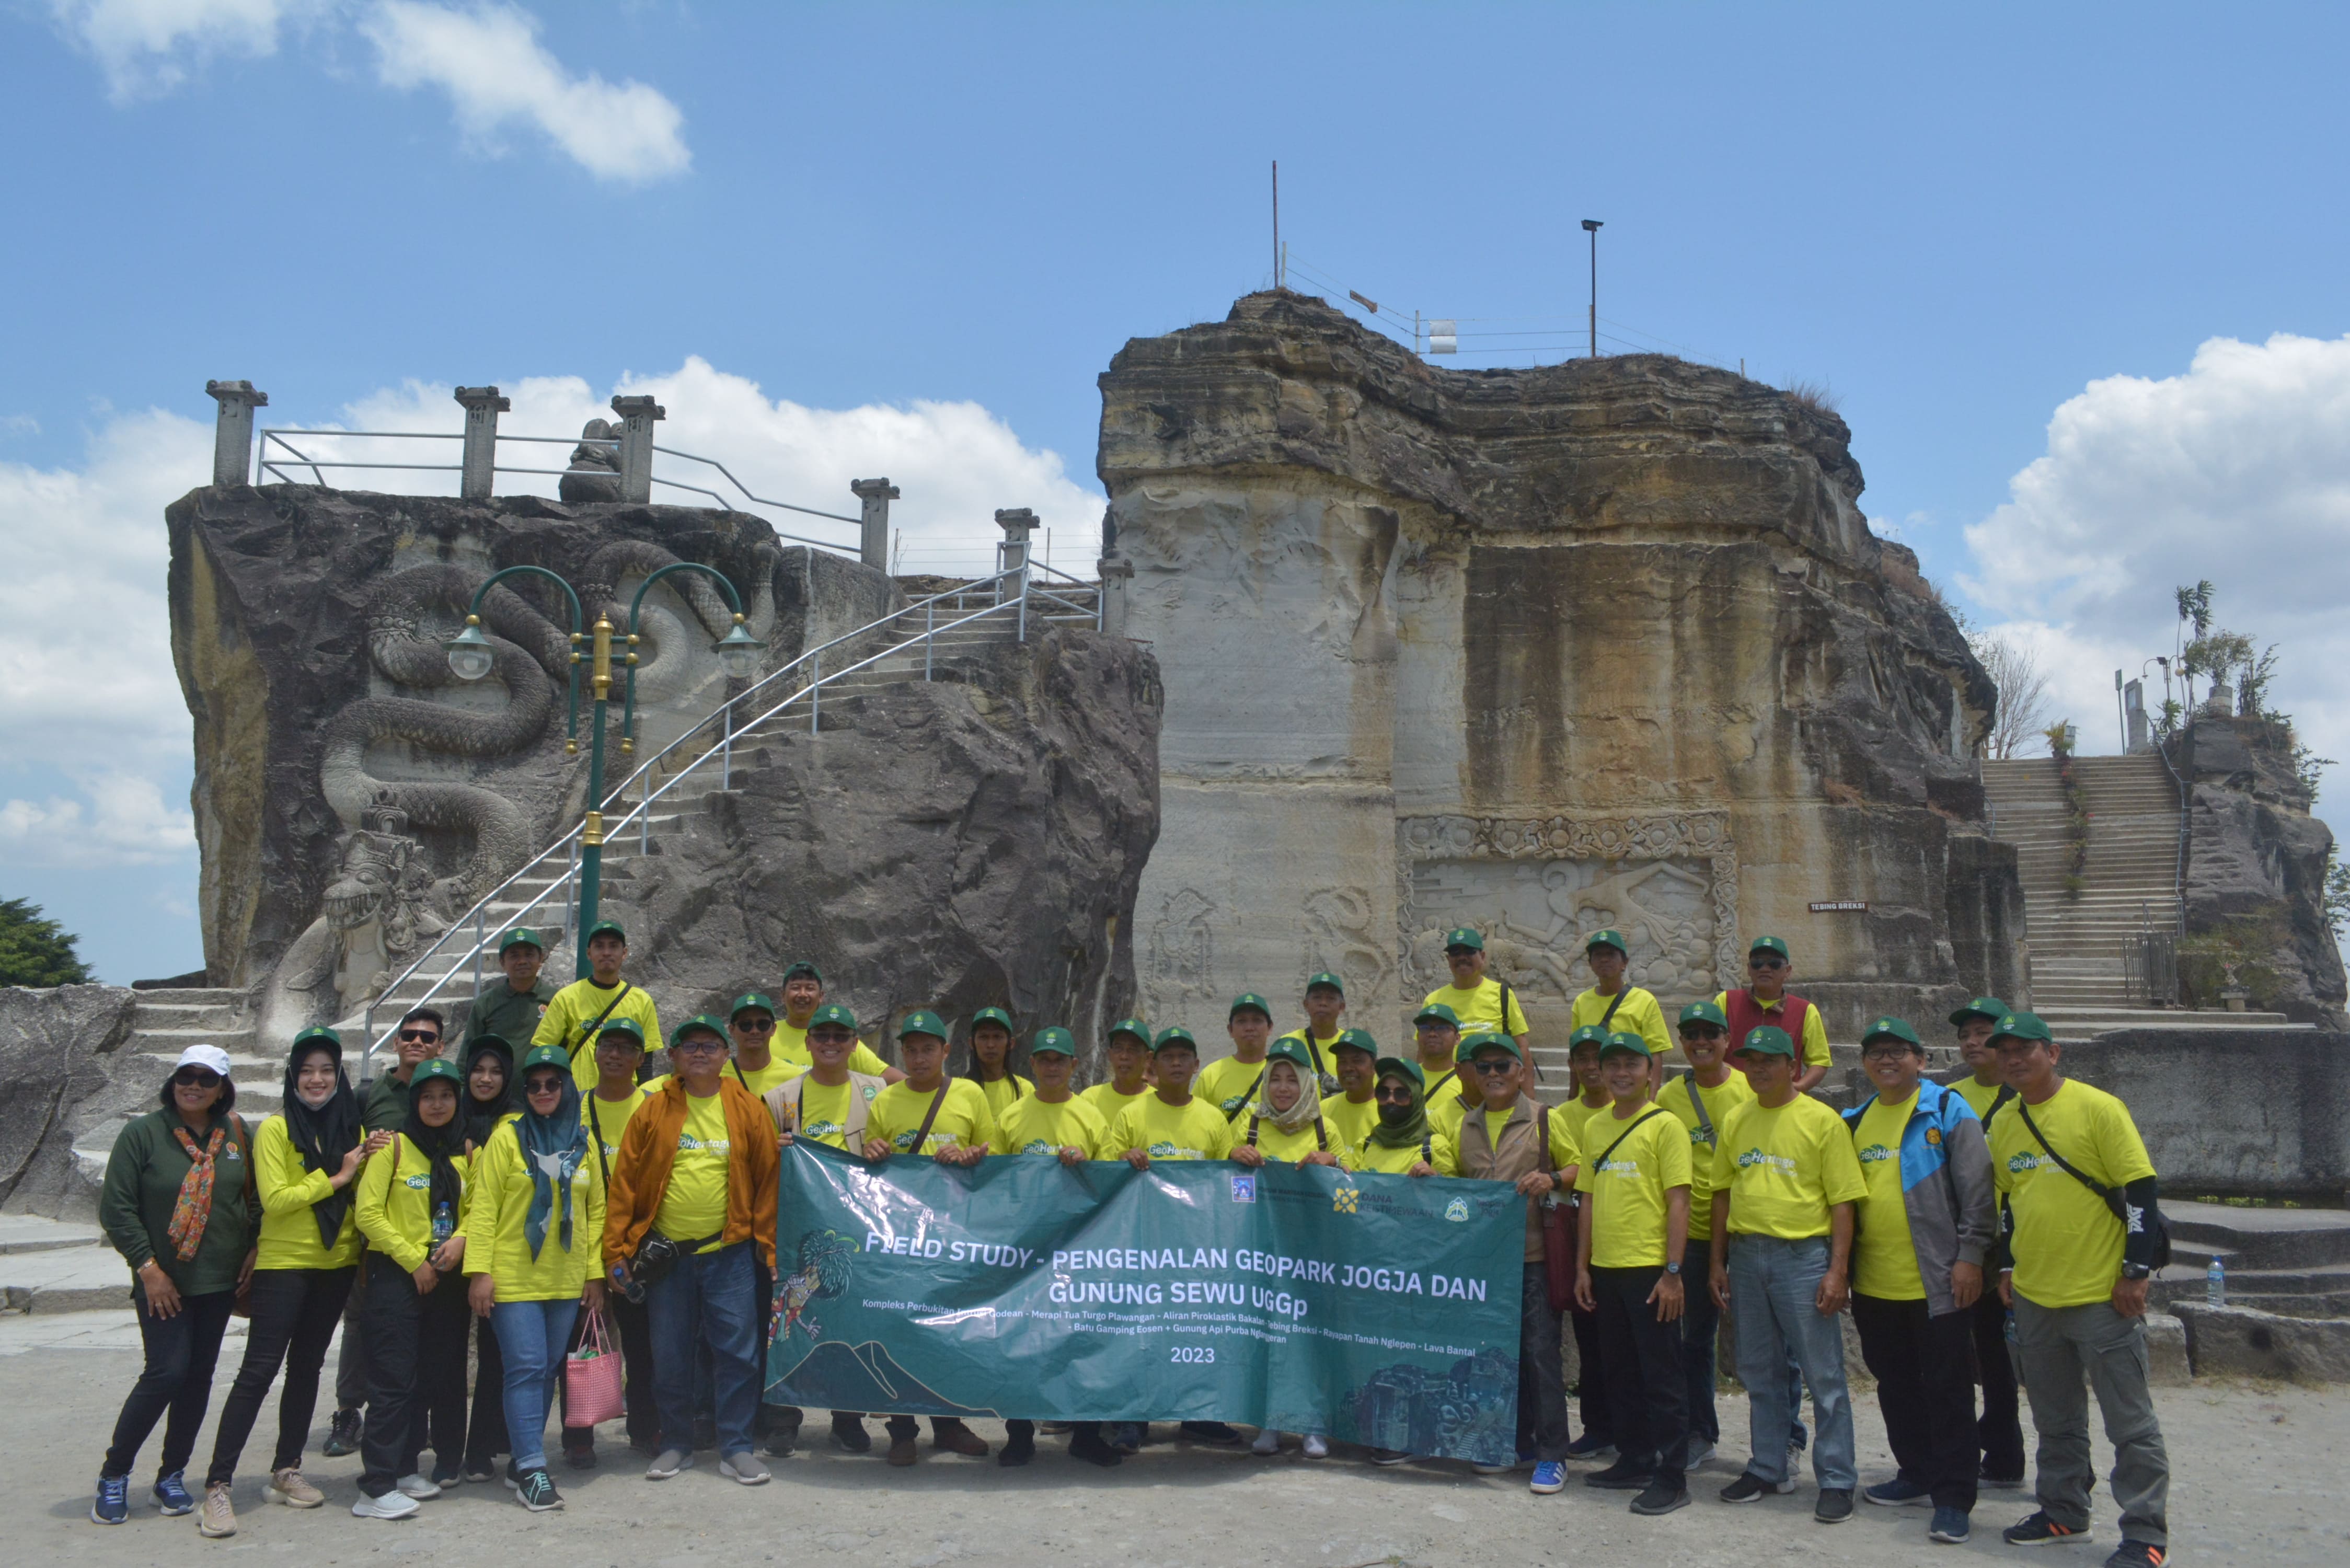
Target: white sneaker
[(1699, 1450), (393, 1505), (417, 1486), (1317, 1446), (1267, 1444)]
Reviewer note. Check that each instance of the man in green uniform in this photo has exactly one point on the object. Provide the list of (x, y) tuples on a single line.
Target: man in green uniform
[(511, 1008)]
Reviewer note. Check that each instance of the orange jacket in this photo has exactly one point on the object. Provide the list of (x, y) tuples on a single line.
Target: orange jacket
[(648, 1150)]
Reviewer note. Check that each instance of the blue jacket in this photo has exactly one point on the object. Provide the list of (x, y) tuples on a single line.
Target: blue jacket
[(1945, 1187)]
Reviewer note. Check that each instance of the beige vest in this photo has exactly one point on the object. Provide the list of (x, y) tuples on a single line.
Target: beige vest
[(1523, 1149), (783, 1103)]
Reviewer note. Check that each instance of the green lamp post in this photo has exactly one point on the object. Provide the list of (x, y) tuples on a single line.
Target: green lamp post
[(471, 656)]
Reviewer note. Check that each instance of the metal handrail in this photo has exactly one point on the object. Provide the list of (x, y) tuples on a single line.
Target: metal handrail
[(2185, 821), (477, 916)]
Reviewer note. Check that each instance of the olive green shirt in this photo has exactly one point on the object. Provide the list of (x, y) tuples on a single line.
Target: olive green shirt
[(387, 1105), (143, 1173), (512, 1015)]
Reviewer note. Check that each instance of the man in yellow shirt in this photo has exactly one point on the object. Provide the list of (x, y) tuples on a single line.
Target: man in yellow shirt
[(1477, 999), (1928, 1217), (2000, 1431), (580, 1009), (1785, 1183), (1127, 1051), (1612, 1002), (1326, 1004), (803, 994), (1352, 1112), (1591, 1391), (757, 1066), (1436, 1034), (2080, 1257), (1635, 1182), (1700, 1098), (1230, 1083), (1766, 999)]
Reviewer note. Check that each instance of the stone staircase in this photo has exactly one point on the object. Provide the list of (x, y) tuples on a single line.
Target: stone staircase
[(2294, 1263), (162, 1025)]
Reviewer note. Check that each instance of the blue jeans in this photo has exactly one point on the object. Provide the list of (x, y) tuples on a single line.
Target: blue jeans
[(531, 1338), (1772, 1286), (709, 1298)]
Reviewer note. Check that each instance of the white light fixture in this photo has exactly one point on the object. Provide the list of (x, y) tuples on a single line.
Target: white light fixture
[(1442, 338)]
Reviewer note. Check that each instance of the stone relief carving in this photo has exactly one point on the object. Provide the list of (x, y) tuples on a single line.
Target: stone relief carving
[(1537, 886), (1337, 927), (1183, 949)]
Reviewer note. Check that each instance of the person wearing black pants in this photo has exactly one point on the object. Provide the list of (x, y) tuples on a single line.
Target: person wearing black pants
[(1999, 1433), (1925, 1387), (627, 1319)]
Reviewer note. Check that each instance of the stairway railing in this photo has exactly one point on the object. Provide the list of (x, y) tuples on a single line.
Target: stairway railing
[(469, 938)]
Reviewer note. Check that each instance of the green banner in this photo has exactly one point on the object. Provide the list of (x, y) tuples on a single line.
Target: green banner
[(1377, 1310)]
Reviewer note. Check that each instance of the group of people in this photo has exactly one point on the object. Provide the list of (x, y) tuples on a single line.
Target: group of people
[(533, 1203)]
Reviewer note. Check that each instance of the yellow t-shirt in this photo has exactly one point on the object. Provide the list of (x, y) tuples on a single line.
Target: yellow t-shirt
[(1002, 1092), (1566, 1153), (1327, 1049), (1228, 1084), (824, 1112), (1814, 1043), (1349, 1122), (780, 1069), (1366, 1154), (497, 1216), (790, 1043), (694, 1202), (1782, 1166), (289, 1229), (2068, 1244), (576, 1006), (394, 1206), (1030, 1125), (1578, 1111), (1883, 1262), (1624, 1200), (1443, 1101), (609, 1120), (1980, 1097), (1292, 1146), (964, 1119), (1720, 1101), (1192, 1130), (1479, 1008), (1107, 1102), (1637, 1013)]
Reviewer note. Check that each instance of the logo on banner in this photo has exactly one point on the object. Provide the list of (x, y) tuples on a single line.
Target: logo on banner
[(1245, 1186), (1457, 1212), (1342, 1201)]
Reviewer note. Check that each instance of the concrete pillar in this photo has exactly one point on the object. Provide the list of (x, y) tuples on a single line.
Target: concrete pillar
[(637, 417), (483, 407), (1117, 571), (877, 494), (1011, 556), (233, 432)]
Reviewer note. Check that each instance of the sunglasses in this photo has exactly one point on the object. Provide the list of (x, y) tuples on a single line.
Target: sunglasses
[(1492, 1069), (1400, 1096), (201, 1077), (1459, 952), (424, 1034), (755, 1025), (1766, 963), (547, 1085)]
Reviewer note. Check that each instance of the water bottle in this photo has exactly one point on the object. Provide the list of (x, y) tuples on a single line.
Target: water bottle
[(444, 1225), (2215, 1285)]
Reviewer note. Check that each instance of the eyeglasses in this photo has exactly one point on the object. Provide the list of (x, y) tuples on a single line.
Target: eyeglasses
[(1766, 963), (1885, 1053), (700, 1043), (1492, 1069), (425, 1035), (1398, 1094), (201, 1077), (1459, 952), (755, 1025)]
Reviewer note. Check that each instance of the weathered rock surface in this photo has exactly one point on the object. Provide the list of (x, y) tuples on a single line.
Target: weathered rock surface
[(2260, 1111), (950, 844), (1607, 643), (2248, 1343), (60, 1048)]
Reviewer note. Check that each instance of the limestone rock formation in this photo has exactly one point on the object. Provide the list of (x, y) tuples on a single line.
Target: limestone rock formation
[(58, 1049), (951, 844), (1606, 643)]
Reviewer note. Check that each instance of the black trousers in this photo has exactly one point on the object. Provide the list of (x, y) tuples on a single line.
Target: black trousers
[(1542, 1378), (182, 1351), (1700, 1334), (636, 1371), (1590, 1382), (1926, 1388), (295, 1312), (1648, 1388), (2000, 1432), (416, 1373), (486, 1437)]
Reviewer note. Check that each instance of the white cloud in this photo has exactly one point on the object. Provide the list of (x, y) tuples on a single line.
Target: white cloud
[(150, 46), (497, 73), (2238, 471), (124, 823)]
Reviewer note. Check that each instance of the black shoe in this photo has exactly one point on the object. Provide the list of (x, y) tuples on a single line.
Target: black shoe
[(2137, 1554), (1125, 1437), (2036, 1528), (1987, 1481), (485, 1469), (1591, 1446), (1211, 1432), (649, 1447), (1834, 1505), (1089, 1447), (1019, 1450), (535, 1491), (580, 1459), (783, 1439), (1750, 1486), (1661, 1500), (849, 1433), (342, 1435), (1622, 1476)]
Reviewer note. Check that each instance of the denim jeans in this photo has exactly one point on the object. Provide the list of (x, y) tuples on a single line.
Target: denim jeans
[(531, 1338), (709, 1298), (1772, 1286)]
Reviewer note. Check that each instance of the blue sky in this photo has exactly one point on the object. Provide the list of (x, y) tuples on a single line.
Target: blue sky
[(1963, 221)]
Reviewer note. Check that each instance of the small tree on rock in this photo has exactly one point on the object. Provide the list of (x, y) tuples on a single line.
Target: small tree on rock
[(2023, 688), (36, 951)]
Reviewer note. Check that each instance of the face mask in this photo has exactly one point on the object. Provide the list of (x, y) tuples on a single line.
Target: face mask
[(1394, 1114)]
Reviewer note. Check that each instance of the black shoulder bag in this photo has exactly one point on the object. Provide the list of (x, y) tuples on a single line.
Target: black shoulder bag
[(2160, 1257), (573, 1052)]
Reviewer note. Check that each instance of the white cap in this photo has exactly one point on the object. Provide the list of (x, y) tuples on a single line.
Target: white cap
[(211, 1056)]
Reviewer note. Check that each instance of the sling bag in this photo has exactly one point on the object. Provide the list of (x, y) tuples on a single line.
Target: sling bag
[(1321, 1143), (2158, 1227), (573, 1051), (1696, 1103), (938, 1099), (1628, 1132)]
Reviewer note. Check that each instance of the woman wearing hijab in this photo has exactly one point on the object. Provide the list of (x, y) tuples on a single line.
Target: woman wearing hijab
[(1402, 1136), (491, 1097), (411, 1202), (304, 1161), (179, 1204), (535, 1247), (1286, 1124)]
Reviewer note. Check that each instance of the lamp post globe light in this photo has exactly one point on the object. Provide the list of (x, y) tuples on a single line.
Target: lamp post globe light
[(471, 656)]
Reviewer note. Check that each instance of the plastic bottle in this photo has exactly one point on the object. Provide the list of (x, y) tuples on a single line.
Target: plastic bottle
[(443, 1225), (2215, 1285)]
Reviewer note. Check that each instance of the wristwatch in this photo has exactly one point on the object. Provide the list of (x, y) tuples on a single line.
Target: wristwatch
[(1673, 1268), (2135, 1271)]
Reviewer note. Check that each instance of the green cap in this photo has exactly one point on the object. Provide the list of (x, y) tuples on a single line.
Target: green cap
[(1767, 1040), (1436, 1013), (1589, 1034), (834, 1013), (1246, 999), (1462, 937), (1768, 945), (2021, 1026), (1401, 1069), (318, 1035), (1174, 1034), (520, 937), (1327, 978), (995, 1015), (1473, 1044), (1891, 1029), (1623, 1040), (803, 969), (1989, 1007), (710, 1021), (438, 1067), (628, 1028), (1291, 1050), (1703, 1012), (922, 1020), (546, 1057), (749, 1000), (1609, 938), (1134, 1026), (604, 928), (1054, 1041), (1357, 1040)]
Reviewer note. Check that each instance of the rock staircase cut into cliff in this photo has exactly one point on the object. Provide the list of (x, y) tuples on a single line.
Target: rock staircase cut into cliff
[(163, 1023)]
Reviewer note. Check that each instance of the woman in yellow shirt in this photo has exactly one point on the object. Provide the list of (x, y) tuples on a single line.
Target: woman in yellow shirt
[(535, 1250), (305, 1160), (412, 1306), (1286, 1124), (491, 1097), (1401, 1137)]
